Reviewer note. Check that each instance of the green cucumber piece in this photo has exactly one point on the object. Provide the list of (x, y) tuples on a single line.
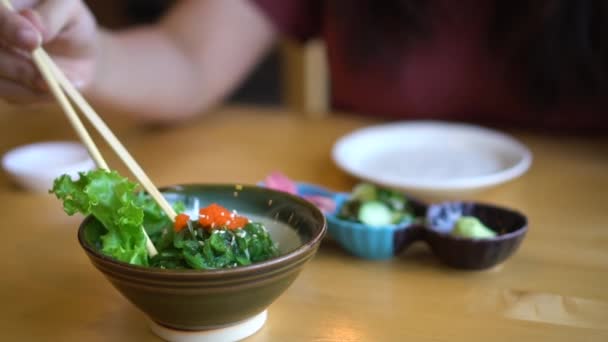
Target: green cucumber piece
[(471, 227), (364, 192), (375, 213)]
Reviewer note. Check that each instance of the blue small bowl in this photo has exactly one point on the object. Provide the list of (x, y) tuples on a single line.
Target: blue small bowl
[(361, 240), (370, 242)]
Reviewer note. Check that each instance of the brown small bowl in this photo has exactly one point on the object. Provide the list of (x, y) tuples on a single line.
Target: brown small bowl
[(474, 254), (200, 300)]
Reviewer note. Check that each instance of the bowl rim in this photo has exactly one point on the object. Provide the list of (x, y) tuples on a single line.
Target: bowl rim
[(429, 227), (291, 257)]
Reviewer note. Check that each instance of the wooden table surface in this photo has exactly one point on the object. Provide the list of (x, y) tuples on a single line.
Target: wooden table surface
[(555, 288)]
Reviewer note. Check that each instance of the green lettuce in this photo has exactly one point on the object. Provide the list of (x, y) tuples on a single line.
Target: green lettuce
[(114, 202), (121, 212)]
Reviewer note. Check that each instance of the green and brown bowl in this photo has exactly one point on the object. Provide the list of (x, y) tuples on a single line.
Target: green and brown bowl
[(208, 299)]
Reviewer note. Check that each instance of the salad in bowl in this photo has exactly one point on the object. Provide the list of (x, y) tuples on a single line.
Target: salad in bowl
[(230, 252)]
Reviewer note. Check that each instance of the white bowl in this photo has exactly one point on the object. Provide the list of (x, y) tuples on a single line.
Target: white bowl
[(432, 159), (35, 166)]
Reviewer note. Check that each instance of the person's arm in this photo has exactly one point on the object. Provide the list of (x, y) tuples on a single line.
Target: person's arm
[(181, 66), (192, 59)]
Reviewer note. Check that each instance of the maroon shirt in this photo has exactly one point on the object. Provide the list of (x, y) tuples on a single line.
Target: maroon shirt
[(449, 76)]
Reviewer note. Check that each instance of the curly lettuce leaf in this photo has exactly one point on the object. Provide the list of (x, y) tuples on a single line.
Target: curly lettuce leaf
[(112, 200)]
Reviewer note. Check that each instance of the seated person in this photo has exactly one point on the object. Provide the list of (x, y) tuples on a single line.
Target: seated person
[(533, 64)]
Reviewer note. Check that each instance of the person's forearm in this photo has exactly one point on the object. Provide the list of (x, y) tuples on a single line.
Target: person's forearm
[(142, 73), (182, 66)]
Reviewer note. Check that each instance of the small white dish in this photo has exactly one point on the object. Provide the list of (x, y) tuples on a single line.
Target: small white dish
[(432, 159), (35, 166)]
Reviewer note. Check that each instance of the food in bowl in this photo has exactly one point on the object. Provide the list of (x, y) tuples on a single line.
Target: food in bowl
[(194, 244), (510, 227), (373, 222), (472, 227), (219, 238), (375, 206), (228, 298)]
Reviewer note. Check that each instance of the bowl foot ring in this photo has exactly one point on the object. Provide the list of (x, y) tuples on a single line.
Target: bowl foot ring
[(235, 332)]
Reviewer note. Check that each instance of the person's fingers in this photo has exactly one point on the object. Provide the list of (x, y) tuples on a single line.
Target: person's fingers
[(18, 94), (17, 68), (54, 16), (18, 31), (34, 18)]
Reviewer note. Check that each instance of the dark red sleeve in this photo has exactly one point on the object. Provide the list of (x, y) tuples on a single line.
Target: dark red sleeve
[(297, 19)]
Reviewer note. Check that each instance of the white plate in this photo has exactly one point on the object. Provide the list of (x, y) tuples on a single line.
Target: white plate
[(432, 159), (35, 166)]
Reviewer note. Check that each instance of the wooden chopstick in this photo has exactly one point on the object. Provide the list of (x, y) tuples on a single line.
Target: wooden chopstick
[(110, 138), (47, 74), (54, 77), (55, 89)]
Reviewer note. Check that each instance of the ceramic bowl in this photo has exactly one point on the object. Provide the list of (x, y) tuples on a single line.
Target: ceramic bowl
[(213, 299), (467, 253), (434, 227), (372, 242), (34, 167)]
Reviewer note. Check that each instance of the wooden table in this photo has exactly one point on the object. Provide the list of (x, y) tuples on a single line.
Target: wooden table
[(554, 289)]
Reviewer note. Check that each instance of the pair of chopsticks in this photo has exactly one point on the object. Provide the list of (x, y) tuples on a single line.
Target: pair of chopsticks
[(58, 83)]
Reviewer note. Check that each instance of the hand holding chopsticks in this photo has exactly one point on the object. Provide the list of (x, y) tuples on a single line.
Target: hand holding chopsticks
[(58, 83)]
